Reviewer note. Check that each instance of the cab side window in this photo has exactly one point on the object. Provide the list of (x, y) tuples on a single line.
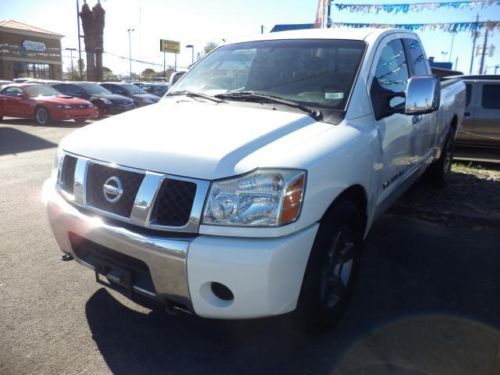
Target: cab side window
[(417, 58), (391, 77)]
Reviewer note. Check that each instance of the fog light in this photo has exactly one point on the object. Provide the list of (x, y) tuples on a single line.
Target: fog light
[(221, 291)]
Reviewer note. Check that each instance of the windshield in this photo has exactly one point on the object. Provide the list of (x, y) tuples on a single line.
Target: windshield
[(318, 73), (94, 88), (39, 90), (133, 89)]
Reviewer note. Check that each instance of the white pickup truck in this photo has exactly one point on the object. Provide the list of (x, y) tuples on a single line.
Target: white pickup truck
[(248, 189)]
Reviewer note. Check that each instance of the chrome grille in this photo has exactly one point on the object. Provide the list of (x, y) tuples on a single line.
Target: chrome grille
[(67, 177), (148, 199), (98, 174)]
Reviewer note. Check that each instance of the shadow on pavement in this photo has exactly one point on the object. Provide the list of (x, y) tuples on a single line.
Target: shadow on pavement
[(54, 124), (427, 302), (13, 141)]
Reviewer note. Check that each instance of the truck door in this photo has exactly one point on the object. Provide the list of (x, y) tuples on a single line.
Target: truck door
[(12, 98), (390, 75), (486, 125), (466, 131), (425, 127)]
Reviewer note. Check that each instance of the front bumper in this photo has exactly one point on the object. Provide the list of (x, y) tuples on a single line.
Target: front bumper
[(60, 115), (264, 274)]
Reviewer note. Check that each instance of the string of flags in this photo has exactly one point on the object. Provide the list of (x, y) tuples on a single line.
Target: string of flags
[(451, 27), (415, 7)]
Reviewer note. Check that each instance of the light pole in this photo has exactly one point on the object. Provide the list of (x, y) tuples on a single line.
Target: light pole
[(444, 53), (72, 67), (192, 52), (453, 33), (130, 52)]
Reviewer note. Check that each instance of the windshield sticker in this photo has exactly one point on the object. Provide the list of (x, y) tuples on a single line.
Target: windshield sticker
[(334, 95)]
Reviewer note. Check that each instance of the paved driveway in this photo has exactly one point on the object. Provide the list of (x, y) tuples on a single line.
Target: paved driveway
[(427, 301)]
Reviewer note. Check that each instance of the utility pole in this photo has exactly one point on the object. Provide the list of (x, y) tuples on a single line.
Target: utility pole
[(483, 53), (130, 52), (329, 22), (80, 61), (262, 29), (496, 68), (474, 44), (451, 47)]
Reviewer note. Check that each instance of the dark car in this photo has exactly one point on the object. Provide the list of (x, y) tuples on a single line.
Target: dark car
[(43, 104), (106, 102), (138, 95), (156, 88)]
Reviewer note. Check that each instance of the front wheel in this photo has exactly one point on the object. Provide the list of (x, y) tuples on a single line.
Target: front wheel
[(332, 268), (42, 116)]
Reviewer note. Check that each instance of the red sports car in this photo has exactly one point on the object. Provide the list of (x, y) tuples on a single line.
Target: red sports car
[(44, 104)]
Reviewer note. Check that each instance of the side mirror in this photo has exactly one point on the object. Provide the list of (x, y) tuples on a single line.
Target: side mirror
[(423, 95)]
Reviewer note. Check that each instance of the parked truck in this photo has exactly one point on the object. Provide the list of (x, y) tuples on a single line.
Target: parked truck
[(248, 190)]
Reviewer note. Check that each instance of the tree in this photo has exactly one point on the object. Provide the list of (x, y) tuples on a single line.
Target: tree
[(210, 46), (148, 73)]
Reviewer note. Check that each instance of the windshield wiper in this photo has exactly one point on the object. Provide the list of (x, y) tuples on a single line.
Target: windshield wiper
[(193, 94), (253, 96)]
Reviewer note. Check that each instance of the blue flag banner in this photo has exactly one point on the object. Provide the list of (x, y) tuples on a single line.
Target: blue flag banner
[(449, 27), (415, 7)]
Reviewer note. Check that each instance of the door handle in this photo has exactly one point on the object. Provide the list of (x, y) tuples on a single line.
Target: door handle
[(416, 118)]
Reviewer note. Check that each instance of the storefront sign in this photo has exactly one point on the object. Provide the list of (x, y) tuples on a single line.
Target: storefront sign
[(31, 45)]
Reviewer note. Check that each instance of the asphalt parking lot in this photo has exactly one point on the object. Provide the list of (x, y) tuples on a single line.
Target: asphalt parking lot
[(427, 301)]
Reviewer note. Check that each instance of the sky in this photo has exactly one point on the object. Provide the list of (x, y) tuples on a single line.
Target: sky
[(197, 22)]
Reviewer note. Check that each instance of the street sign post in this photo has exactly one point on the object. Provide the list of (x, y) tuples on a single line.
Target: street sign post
[(170, 46)]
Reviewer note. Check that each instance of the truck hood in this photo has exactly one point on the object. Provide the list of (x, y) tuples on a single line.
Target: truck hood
[(188, 138)]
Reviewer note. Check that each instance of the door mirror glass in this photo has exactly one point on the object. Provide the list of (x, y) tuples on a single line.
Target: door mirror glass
[(422, 95)]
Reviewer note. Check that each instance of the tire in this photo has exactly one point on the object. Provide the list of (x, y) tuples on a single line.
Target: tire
[(42, 116), (332, 269), (439, 170)]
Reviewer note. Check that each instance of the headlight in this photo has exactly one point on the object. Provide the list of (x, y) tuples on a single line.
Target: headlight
[(63, 106), (265, 197), (106, 101)]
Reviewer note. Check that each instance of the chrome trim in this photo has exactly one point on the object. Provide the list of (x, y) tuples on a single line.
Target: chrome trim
[(145, 199), (80, 182)]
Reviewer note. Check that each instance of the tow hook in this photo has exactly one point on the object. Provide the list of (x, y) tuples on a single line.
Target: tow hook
[(66, 257), (170, 308)]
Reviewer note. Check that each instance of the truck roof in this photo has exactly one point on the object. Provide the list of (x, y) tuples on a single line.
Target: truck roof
[(335, 33)]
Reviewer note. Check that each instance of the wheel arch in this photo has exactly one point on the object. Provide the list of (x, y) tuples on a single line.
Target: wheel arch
[(356, 194)]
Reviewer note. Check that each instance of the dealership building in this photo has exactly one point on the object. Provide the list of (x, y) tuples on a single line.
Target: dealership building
[(28, 51)]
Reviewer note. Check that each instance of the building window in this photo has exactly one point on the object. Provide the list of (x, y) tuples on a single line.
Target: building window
[(23, 70)]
